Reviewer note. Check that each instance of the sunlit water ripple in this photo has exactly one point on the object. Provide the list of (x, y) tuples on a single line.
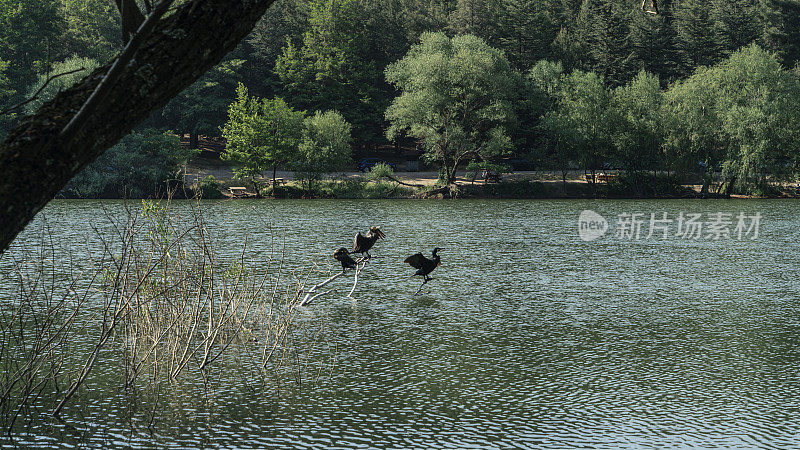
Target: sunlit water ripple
[(527, 337)]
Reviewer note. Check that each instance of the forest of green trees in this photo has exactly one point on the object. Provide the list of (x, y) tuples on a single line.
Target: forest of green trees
[(697, 88)]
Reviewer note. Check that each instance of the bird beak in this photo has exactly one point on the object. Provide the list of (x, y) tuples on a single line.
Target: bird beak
[(380, 233)]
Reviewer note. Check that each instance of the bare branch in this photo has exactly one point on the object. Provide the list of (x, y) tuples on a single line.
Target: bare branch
[(39, 91), (312, 294)]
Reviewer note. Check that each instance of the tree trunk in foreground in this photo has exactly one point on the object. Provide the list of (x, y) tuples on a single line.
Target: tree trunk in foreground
[(36, 163)]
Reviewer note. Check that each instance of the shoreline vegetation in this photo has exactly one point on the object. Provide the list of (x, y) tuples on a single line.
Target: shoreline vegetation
[(216, 183)]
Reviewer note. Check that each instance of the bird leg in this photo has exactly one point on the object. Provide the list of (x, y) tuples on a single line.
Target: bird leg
[(424, 281), (418, 290)]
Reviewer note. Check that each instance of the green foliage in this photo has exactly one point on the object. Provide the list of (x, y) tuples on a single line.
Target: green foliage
[(6, 96), (740, 114), (637, 131), (27, 29), (339, 64), (261, 135), (695, 40), (526, 29), (138, 166), (209, 188), (92, 28), (80, 67), (199, 109), (5, 84), (285, 21), (644, 184), (361, 188), (781, 32), (653, 43), (604, 26), (455, 97), (580, 127), (380, 171), (324, 147), (510, 189), (475, 167), (736, 24)]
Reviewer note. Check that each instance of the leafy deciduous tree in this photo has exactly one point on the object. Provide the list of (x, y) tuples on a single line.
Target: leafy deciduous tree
[(261, 135), (455, 97), (581, 121), (324, 148), (199, 109), (637, 134)]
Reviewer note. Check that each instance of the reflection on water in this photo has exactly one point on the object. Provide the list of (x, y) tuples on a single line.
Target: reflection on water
[(528, 336)]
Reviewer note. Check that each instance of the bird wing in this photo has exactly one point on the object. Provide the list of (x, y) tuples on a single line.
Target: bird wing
[(357, 243), (416, 261)]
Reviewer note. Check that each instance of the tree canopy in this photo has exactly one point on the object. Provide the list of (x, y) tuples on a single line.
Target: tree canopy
[(357, 57), (454, 96), (261, 135)]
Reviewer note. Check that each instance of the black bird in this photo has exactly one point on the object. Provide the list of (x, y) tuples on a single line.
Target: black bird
[(362, 244), (425, 265), (343, 256)]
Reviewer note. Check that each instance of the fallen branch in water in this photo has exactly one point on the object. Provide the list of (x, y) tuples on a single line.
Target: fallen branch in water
[(355, 278), (312, 293)]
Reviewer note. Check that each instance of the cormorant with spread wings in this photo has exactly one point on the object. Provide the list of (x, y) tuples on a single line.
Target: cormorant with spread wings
[(362, 244), (423, 264), (343, 256)]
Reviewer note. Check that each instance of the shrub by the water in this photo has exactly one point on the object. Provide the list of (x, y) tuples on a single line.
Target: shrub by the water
[(210, 188), (646, 185), (513, 189), (346, 188), (140, 165)]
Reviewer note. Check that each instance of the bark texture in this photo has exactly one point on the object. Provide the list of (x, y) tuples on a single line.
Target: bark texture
[(36, 163)]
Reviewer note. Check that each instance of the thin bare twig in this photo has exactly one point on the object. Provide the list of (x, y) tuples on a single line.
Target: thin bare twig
[(39, 91)]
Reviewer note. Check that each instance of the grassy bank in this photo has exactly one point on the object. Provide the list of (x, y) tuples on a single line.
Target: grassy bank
[(623, 186)]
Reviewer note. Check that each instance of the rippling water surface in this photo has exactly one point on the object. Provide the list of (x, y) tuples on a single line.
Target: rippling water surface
[(527, 337)]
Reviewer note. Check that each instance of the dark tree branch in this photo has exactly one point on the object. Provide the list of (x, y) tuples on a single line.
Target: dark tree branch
[(39, 91), (37, 159), (131, 18), (116, 70)]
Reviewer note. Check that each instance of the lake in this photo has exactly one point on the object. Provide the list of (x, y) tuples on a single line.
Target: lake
[(528, 336)]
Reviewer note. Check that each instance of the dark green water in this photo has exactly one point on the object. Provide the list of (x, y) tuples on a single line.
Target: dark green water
[(527, 337)]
